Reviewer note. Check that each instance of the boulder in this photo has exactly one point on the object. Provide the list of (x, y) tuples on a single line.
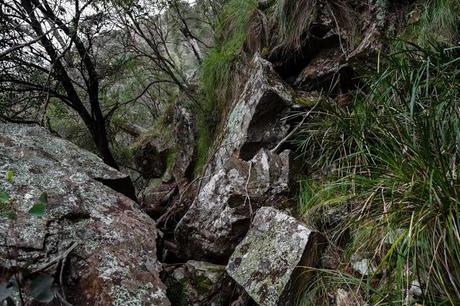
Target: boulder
[(150, 159), (157, 197), (243, 173), (92, 241), (185, 138), (197, 283), (65, 153), (258, 118), (221, 213), (267, 262)]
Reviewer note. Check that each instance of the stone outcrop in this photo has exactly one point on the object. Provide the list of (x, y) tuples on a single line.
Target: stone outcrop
[(266, 262), (243, 174), (221, 214), (101, 239), (185, 138), (257, 119)]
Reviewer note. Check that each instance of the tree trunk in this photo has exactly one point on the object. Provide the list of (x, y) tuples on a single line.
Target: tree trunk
[(99, 135)]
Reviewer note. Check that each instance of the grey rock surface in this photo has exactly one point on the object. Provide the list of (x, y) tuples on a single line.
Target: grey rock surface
[(185, 138), (243, 174), (257, 119), (266, 262), (220, 216), (113, 259)]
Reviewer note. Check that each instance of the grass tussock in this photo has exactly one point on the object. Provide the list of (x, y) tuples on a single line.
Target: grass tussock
[(293, 18), (389, 165), (434, 20)]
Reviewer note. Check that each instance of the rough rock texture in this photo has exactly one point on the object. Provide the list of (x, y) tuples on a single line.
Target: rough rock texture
[(150, 159), (265, 262), (114, 259), (197, 283), (157, 196), (66, 154), (257, 119), (185, 138), (242, 174), (220, 216)]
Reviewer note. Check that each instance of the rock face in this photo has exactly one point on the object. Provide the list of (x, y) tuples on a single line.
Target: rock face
[(185, 138), (67, 154), (150, 159), (257, 119), (113, 258), (221, 214), (243, 174), (265, 262)]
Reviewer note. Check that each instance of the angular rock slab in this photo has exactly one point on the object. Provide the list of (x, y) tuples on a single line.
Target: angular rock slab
[(257, 119), (220, 216), (113, 260), (265, 262), (29, 138)]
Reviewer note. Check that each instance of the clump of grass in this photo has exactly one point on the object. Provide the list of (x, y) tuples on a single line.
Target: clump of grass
[(392, 161), (220, 71), (221, 63), (293, 18), (434, 20)]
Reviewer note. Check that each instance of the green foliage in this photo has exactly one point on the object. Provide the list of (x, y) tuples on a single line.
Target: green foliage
[(434, 20), (203, 144), (219, 67), (293, 18), (6, 210), (391, 160), (10, 175), (38, 209)]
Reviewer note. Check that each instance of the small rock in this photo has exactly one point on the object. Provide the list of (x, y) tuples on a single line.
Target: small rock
[(265, 262), (362, 265), (198, 283), (346, 298)]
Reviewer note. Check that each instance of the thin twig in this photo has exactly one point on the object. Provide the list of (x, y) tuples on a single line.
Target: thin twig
[(295, 129), (57, 258)]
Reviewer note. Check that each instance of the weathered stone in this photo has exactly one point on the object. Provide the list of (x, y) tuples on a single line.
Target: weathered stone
[(348, 298), (185, 138), (114, 252), (197, 283), (157, 197), (321, 69), (151, 160), (266, 262), (65, 153), (257, 119), (362, 264), (220, 216)]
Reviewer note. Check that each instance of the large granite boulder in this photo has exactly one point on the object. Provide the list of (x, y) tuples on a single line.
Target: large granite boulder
[(257, 119), (267, 263), (221, 213), (92, 241), (243, 174)]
